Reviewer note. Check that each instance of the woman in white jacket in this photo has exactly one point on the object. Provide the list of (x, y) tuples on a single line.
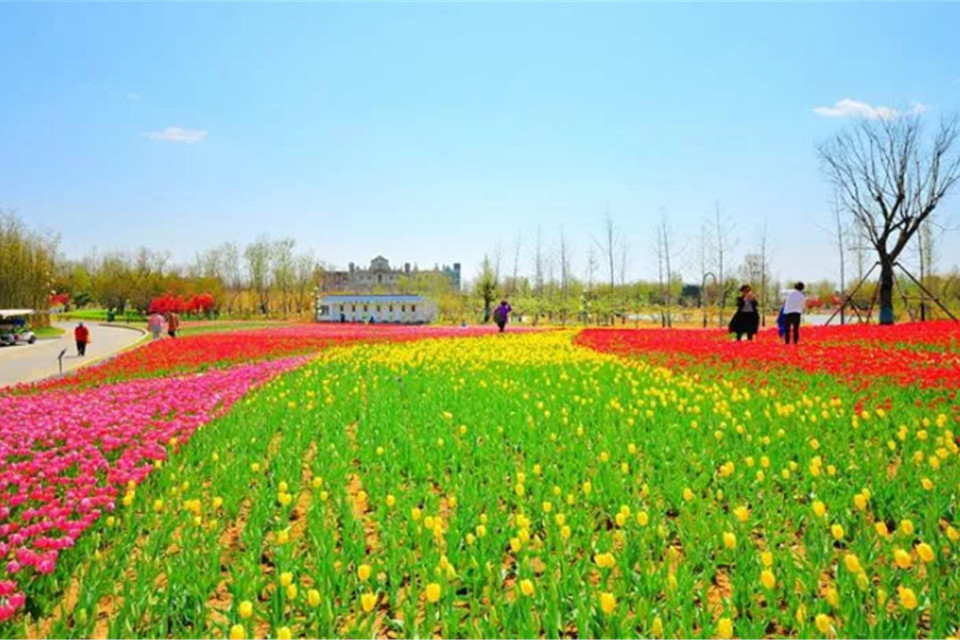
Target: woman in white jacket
[(793, 307)]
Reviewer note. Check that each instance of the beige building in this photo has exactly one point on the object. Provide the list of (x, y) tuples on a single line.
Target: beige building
[(380, 275)]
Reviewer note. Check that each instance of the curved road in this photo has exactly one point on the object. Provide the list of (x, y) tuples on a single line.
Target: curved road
[(27, 363)]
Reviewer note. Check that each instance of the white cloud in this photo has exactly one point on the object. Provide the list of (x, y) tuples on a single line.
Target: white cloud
[(176, 134), (848, 107), (133, 96)]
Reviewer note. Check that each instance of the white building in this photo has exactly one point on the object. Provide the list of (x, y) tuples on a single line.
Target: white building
[(378, 308)]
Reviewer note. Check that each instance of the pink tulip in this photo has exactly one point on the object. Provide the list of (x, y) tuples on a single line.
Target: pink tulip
[(66, 455)]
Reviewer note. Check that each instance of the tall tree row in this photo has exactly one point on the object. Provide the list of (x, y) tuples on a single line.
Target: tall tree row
[(27, 263)]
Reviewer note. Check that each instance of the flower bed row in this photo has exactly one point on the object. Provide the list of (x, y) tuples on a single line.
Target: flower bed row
[(65, 457), (202, 351), (910, 354)]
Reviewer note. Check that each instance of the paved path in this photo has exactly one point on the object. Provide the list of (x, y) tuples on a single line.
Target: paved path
[(26, 363)]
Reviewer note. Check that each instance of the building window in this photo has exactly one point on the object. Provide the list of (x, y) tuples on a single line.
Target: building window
[(364, 308), (403, 308), (413, 308), (353, 308), (390, 308)]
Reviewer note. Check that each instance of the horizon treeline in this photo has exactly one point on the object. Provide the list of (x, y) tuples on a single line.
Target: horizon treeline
[(276, 278)]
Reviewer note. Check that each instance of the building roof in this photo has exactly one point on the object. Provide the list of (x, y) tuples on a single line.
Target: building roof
[(379, 297)]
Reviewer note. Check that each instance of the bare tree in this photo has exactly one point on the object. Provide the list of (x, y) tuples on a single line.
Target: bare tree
[(591, 267), (858, 244), (538, 264), (608, 246), (764, 279), (588, 294), (565, 257), (516, 266), (703, 256), (722, 230), (666, 256), (841, 249), (889, 181)]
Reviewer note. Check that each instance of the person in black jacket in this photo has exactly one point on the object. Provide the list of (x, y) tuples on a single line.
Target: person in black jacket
[(746, 321)]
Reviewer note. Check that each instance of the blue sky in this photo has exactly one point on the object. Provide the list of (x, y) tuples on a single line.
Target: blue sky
[(431, 132)]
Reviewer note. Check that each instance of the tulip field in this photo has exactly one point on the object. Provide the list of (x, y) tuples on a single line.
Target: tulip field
[(451, 482)]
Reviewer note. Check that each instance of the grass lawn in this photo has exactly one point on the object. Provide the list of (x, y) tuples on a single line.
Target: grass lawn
[(219, 327), (100, 315), (48, 332)]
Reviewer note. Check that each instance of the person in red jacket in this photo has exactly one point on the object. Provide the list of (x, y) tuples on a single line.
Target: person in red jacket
[(82, 335)]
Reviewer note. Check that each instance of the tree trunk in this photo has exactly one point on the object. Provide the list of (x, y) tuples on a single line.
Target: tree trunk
[(886, 290)]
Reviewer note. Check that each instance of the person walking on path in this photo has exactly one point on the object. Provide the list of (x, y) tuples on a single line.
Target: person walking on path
[(173, 323), (746, 320), (501, 315), (82, 335), (793, 307), (155, 322)]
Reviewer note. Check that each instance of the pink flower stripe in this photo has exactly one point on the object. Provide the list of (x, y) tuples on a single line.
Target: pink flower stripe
[(65, 455)]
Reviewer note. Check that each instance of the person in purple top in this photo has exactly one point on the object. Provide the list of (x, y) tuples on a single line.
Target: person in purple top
[(501, 314)]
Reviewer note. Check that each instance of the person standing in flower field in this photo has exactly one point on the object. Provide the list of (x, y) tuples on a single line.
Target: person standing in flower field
[(173, 323), (502, 314), (155, 322), (746, 320), (793, 307), (82, 336)]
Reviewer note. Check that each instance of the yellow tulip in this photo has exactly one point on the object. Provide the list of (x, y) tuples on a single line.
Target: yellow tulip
[(725, 628), (656, 629), (852, 562), (729, 540), (902, 558), (767, 579), (608, 602), (823, 622), (925, 552), (527, 588), (908, 599), (363, 572)]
